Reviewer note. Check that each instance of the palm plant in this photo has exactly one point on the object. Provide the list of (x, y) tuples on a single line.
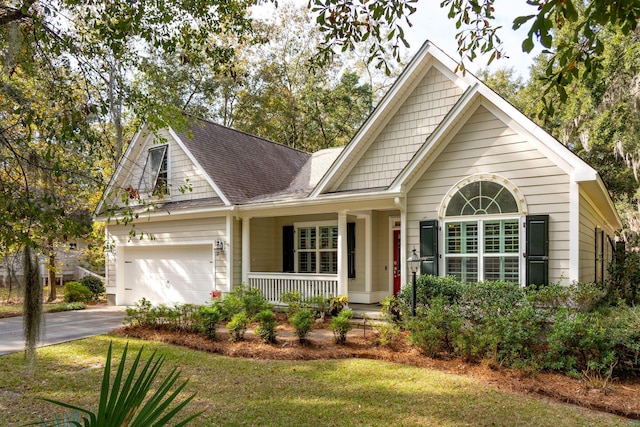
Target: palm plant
[(125, 402)]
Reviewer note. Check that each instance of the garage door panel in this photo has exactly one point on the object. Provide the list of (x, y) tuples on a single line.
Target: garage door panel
[(169, 274)]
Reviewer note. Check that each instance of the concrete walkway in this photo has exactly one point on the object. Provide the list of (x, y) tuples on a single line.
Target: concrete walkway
[(62, 327)]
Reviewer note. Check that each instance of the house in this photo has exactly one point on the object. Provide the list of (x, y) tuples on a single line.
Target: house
[(443, 165)]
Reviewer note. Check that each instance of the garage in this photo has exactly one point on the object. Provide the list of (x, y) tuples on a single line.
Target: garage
[(167, 274)]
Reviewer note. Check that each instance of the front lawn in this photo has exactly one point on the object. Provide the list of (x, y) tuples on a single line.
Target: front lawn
[(235, 391)]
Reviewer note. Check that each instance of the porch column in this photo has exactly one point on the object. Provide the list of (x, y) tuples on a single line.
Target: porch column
[(368, 253), (343, 270), (246, 249)]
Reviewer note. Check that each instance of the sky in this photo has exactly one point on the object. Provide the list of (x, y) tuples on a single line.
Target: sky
[(430, 22)]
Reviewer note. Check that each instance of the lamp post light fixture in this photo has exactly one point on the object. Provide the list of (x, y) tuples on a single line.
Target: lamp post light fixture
[(414, 263)]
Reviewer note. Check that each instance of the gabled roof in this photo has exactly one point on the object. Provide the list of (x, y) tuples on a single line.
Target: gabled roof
[(242, 166), (475, 93)]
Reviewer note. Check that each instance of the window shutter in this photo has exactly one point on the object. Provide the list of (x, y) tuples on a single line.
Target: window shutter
[(288, 243), (537, 250), (429, 247), (351, 249)]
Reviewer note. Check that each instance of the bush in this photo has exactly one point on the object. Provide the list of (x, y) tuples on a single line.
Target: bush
[(391, 309), (579, 341), (67, 306), (388, 334), (319, 304), (302, 321), (139, 314), (242, 299), (208, 318), (266, 328), (293, 301), (76, 292), (341, 325), (428, 287), (435, 327), (237, 326), (336, 304), (95, 285)]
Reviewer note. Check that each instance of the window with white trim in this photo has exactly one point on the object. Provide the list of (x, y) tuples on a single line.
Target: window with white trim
[(482, 234), (155, 174), (317, 248)]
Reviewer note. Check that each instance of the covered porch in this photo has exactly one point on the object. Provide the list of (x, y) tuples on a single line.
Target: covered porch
[(349, 252)]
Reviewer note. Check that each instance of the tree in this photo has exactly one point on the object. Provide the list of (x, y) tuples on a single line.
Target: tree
[(62, 81), (346, 23)]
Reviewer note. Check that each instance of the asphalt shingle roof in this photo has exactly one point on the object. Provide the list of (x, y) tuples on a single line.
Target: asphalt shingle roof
[(243, 166)]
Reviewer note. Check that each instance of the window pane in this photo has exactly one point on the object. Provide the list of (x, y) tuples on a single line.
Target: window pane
[(307, 262), (464, 269), (307, 238), (492, 268), (501, 268), (462, 238), (492, 237), (328, 237), (511, 269), (329, 262), (482, 198), (511, 241)]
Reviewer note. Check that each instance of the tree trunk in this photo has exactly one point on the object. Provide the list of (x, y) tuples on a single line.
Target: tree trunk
[(32, 310), (51, 266)]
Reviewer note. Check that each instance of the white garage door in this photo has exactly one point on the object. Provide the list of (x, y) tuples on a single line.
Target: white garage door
[(168, 274)]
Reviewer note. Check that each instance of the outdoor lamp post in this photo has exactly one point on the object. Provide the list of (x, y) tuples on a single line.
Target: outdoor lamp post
[(414, 263)]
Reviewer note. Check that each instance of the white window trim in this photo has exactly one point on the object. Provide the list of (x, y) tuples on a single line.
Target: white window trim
[(480, 219), (317, 225), (150, 194)]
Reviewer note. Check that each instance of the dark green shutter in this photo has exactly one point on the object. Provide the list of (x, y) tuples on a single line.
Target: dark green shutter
[(288, 243), (351, 249), (429, 247), (537, 250)]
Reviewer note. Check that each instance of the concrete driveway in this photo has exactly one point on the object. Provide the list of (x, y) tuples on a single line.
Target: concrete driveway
[(63, 327)]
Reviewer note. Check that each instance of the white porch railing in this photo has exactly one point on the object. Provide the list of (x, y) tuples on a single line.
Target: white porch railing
[(273, 285)]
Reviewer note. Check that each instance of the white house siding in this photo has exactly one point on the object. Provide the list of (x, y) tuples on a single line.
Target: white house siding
[(182, 171), (589, 220), (416, 119), (486, 145), (167, 233)]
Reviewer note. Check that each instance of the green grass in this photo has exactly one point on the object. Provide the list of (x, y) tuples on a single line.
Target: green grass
[(235, 392)]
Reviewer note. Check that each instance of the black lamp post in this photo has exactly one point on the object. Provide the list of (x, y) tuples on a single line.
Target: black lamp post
[(414, 263)]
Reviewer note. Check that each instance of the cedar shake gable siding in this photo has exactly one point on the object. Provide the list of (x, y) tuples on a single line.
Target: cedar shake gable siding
[(243, 166)]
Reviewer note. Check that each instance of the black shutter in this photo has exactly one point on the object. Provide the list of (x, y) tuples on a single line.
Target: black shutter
[(351, 249), (537, 250), (288, 242), (429, 247)]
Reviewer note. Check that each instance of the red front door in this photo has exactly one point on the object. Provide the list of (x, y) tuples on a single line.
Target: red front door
[(397, 269)]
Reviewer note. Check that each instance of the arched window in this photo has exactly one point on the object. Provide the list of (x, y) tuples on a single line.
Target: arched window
[(482, 233)]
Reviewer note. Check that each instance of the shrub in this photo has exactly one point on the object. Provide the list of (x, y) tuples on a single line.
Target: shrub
[(388, 334), (336, 304), (302, 321), (208, 318), (95, 285), (391, 309), (293, 300), (76, 292), (435, 327), (579, 341), (266, 328), (427, 287), (139, 314), (237, 326), (319, 304), (67, 306), (341, 325), (241, 299)]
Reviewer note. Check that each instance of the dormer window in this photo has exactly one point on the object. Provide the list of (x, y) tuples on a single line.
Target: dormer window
[(155, 174)]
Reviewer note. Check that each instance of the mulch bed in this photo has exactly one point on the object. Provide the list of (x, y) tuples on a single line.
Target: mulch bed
[(622, 398)]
